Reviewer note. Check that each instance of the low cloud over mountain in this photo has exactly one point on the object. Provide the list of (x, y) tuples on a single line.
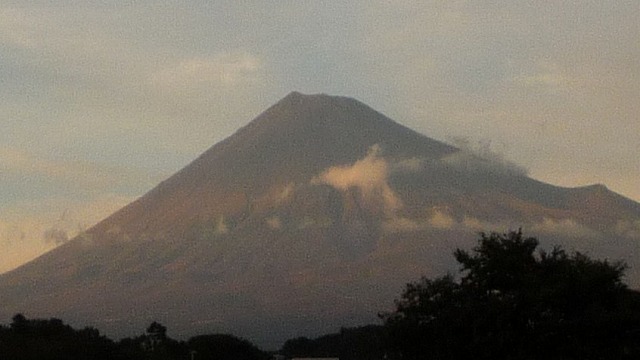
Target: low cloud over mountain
[(309, 218)]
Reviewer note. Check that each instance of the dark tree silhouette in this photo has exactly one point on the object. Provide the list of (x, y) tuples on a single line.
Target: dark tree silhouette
[(512, 302), (153, 344), (51, 339)]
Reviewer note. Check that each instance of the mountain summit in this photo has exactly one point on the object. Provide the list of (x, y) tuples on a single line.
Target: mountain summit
[(309, 218)]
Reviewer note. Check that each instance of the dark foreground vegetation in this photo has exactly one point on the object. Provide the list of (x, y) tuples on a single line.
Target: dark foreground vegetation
[(514, 302), (510, 301), (51, 339)]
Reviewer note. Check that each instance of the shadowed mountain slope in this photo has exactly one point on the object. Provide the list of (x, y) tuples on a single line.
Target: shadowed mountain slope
[(309, 218)]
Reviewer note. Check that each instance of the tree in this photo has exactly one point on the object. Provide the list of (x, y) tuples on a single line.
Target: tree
[(52, 339), (513, 302), (156, 335), (153, 344)]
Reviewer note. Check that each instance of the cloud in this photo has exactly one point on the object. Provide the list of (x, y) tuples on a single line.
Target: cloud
[(399, 224), (549, 80), (546, 227), (437, 218), (221, 227), (55, 236), (78, 175), (225, 69), (564, 227), (30, 228), (122, 82), (369, 175), (441, 220), (482, 158), (546, 84), (20, 239), (548, 77), (274, 223), (142, 86), (628, 228)]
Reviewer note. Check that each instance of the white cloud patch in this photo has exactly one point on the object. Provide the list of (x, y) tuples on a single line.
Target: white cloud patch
[(441, 220), (221, 227), (628, 228), (223, 69), (286, 193), (437, 219), (549, 77), (401, 224), (564, 227), (479, 225), (274, 223), (482, 157), (369, 175)]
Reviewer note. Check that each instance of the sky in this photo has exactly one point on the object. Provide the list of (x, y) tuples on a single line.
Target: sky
[(101, 100)]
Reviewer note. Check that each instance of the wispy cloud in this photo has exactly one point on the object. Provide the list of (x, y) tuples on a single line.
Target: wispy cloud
[(370, 175), (92, 78), (482, 157), (30, 228), (567, 228), (77, 174), (550, 81), (548, 77), (225, 69), (55, 236), (628, 228), (20, 242), (564, 227)]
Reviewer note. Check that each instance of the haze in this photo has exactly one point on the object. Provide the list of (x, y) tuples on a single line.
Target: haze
[(101, 101)]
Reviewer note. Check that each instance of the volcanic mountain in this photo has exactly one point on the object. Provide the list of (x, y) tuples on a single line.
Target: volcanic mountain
[(311, 217)]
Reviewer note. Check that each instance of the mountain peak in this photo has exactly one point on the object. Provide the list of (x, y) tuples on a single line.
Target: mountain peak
[(329, 126), (298, 95), (296, 206), (321, 129), (297, 102)]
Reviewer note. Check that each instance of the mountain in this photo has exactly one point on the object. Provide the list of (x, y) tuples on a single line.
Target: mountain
[(311, 217)]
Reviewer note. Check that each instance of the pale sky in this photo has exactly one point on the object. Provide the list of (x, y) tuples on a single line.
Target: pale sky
[(101, 100)]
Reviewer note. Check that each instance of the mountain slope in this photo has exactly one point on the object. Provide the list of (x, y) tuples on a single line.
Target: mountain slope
[(311, 217)]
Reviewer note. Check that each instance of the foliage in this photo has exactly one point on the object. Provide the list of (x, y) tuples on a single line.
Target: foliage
[(512, 302), (52, 339), (154, 344)]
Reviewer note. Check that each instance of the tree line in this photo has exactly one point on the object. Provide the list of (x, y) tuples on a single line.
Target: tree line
[(510, 300), (39, 339)]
